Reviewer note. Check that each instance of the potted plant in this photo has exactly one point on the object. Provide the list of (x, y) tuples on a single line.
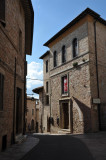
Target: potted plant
[(75, 64)]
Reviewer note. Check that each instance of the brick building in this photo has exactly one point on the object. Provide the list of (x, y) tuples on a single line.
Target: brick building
[(32, 114), (16, 34), (74, 68)]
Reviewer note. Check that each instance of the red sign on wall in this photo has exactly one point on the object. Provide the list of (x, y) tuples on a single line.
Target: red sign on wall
[(65, 84)]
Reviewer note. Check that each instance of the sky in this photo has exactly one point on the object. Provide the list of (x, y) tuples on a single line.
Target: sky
[(50, 16)]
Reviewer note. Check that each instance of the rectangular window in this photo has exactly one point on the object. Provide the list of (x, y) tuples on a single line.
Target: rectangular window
[(64, 85), (46, 87), (63, 54), (46, 66), (32, 111), (20, 41), (47, 99), (1, 90), (2, 11), (55, 59), (25, 65)]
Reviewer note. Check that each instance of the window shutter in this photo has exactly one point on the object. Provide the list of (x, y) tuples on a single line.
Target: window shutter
[(2, 10)]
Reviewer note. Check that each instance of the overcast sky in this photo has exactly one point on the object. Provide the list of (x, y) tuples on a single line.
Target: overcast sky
[(50, 16)]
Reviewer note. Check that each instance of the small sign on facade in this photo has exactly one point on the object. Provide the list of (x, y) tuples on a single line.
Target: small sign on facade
[(96, 100)]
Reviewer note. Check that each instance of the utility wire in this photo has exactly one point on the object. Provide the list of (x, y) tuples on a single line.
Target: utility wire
[(35, 79)]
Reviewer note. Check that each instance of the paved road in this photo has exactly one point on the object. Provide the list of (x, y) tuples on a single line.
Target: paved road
[(62, 147)]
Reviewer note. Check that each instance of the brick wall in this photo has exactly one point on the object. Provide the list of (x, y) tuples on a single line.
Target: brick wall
[(9, 49)]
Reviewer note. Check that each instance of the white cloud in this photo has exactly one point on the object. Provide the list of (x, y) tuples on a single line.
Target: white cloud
[(35, 71)]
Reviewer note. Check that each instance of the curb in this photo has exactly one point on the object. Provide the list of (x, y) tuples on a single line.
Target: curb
[(29, 152)]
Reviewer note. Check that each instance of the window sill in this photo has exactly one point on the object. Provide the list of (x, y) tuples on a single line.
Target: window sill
[(55, 67), (64, 62), (64, 95)]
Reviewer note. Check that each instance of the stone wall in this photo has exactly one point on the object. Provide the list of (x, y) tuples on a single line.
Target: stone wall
[(78, 81), (79, 92), (82, 36), (101, 67), (41, 106), (82, 80)]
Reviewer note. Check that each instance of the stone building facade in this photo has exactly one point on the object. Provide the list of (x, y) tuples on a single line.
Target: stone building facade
[(16, 34), (31, 114), (37, 117), (40, 115), (74, 76)]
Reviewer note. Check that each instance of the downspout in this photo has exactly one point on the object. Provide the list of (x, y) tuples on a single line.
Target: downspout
[(13, 137), (50, 107), (25, 73), (97, 76), (42, 112)]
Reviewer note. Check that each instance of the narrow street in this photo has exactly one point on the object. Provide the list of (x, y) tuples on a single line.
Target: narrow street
[(62, 147)]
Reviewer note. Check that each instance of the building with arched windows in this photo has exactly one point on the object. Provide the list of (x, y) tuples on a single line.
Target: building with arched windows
[(76, 97)]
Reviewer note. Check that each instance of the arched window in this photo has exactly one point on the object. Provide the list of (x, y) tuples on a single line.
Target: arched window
[(55, 58), (75, 47), (63, 54)]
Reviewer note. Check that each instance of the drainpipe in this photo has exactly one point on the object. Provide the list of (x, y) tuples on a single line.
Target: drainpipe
[(25, 73), (97, 76), (13, 137), (50, 107), (42, 112)]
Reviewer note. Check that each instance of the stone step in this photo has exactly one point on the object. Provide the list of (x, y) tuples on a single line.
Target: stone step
[(64, 131), (20, 139)]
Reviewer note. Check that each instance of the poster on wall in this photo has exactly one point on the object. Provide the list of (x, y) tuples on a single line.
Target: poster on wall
[(65, 85)]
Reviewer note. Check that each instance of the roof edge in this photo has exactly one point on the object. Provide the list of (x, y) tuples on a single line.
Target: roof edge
[(45, 54), (74, 21), (29, 25)]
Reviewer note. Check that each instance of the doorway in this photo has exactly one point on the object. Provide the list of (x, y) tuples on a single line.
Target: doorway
[(4, 142), (64, 116), (48, 124), (19, 111)]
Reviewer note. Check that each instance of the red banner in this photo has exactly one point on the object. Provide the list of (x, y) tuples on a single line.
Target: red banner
[(65, 84)]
